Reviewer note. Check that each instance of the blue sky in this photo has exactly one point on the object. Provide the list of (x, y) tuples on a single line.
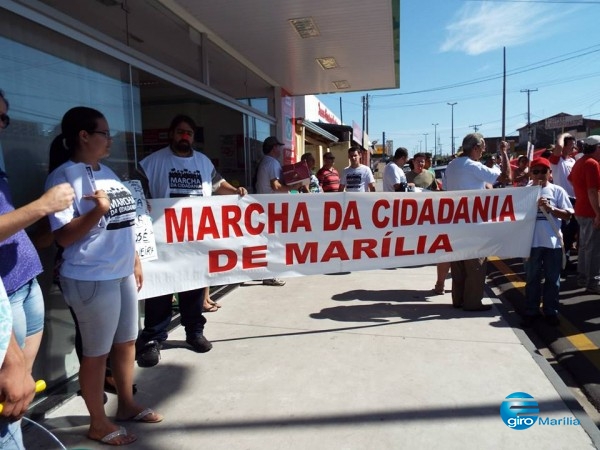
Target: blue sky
[(551, 45)]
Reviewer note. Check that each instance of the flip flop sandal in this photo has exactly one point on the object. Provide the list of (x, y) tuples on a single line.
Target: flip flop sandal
[(110, 437), (142, 417)]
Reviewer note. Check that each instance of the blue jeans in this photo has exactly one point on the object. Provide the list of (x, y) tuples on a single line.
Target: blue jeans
[(543, 263), (27, 305), (11, 437)]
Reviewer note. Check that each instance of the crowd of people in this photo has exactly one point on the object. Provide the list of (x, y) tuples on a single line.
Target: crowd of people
[(100, 272)]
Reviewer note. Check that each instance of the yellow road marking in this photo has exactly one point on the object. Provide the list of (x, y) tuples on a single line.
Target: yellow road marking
[(579, 340)]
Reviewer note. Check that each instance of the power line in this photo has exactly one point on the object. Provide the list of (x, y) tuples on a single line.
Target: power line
[(523, 69)]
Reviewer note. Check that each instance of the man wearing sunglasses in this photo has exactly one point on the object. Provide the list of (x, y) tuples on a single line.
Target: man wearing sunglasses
[(585, 177), (545, 258)]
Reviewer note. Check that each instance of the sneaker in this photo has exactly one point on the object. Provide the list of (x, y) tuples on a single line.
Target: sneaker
[(199, 344), (273, 282), (149, 355)]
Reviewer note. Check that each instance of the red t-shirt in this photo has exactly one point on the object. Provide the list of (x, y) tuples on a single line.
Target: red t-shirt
[(585, 175)]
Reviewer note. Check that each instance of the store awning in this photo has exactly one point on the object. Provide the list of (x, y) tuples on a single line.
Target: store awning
[(317, 130)]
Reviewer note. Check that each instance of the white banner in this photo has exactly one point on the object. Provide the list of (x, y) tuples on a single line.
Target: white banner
[(230, 239)]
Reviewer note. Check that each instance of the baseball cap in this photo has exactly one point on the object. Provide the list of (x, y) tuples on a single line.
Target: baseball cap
[(592, 140), (272, 141), (541, 162)]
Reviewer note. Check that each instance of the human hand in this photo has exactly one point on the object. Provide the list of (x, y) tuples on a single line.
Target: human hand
[(17, 386), (101, 199), (58, 198), (241, 191)]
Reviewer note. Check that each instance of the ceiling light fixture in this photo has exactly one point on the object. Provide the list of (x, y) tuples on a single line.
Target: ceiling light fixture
[(327, 63), (305, 27), (341, 84)]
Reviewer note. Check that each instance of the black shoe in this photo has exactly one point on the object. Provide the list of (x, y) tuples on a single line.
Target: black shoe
[(199, 344), (528, 321), (149, 355), (553, 320)]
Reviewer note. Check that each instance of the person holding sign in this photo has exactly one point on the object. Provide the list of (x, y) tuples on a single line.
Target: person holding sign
[(466, 173), (100, 273), (178, 171)]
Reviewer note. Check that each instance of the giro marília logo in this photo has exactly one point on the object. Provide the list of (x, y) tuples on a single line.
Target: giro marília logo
[(519, 410)]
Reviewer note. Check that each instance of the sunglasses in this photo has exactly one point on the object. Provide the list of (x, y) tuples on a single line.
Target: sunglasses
[(538, 171), (5, 120)]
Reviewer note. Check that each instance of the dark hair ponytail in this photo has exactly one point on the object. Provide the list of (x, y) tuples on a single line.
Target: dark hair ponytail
[(66, 143)]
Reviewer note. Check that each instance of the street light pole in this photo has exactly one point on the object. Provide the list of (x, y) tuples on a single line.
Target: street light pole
[(434, 140), (425, 134), (452, 106)]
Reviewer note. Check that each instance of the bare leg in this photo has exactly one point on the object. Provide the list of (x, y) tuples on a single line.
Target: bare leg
[(122, 357), (442, 273), (32, 345), (91, 380), (209, 305)]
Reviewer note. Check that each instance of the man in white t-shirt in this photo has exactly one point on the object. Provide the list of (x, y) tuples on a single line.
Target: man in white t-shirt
[(178, 171), (269, 180), (466, 173), (394, 179), (356, 177)]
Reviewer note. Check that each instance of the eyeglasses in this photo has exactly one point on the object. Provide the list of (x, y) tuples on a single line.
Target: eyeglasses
[(538, 171), (105, 133), (5, 120)]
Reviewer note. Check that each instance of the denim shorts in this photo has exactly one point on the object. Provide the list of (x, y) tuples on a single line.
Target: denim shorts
[(11, 436), (27, 305), (107, 312)]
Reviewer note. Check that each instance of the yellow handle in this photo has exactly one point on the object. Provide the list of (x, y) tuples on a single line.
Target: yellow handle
[(40, 385)]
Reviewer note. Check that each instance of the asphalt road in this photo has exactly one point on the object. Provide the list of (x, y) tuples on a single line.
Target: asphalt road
[(575, 343)]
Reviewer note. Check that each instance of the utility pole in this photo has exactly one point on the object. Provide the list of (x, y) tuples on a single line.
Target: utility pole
[(420, 146), (529, 91), (452, 106), (425, 134), (434, 140), (475, 127)]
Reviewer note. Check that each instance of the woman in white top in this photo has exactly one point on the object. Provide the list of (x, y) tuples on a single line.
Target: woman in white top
[(100, 273)]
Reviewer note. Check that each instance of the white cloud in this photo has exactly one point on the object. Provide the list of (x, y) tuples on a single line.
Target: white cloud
[(479, 28)]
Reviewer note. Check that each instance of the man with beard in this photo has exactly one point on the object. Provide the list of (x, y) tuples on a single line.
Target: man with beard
[(178, 171)]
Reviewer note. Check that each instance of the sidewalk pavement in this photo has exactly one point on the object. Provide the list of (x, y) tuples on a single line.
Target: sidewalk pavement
[(364, 360)]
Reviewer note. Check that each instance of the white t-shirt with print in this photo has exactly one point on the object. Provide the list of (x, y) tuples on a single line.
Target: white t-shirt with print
[(543, 234), (170, 175), (357, 179), (105, 252)]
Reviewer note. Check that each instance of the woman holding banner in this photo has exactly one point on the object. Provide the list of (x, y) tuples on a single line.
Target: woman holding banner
[(100, 273)]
